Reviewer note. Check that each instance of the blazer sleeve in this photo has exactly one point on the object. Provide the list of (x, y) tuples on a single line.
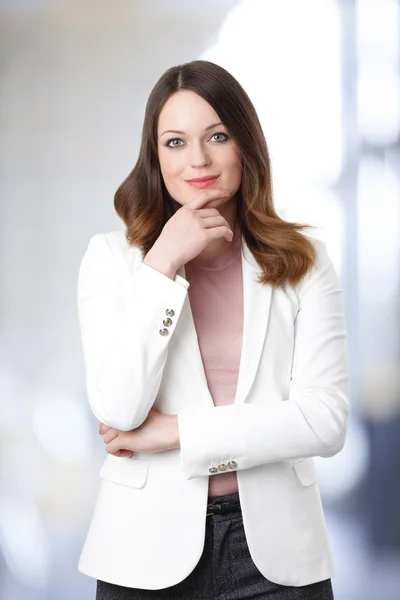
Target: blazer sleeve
[(311, 421), (124, 352)]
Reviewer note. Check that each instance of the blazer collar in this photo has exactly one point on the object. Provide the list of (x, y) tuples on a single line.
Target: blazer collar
[(256, 306)]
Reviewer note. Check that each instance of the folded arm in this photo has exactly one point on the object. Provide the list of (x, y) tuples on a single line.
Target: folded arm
[(311, 421)]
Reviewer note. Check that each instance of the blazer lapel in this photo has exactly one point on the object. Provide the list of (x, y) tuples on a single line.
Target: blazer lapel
[(256, 307)]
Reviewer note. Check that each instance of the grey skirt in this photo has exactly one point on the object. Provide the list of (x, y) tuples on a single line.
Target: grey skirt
[(225, 570)]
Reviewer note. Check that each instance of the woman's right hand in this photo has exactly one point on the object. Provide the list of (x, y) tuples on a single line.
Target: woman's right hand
[(188, 232)]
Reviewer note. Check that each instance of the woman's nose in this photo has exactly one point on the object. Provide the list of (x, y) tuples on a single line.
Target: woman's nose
[(199, 156)]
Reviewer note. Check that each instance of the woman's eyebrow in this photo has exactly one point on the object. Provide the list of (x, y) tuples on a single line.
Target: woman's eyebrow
[(182, 132)]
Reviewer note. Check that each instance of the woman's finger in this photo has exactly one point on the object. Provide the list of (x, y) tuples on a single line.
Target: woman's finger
[(208, 212), (115, 446), (110, 435), (200, 200), (221, 231), (103, 428), (215, 222)]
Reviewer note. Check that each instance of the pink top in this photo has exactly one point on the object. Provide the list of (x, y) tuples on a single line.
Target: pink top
[(216, 300)]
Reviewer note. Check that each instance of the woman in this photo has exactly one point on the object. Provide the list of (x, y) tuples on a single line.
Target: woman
[(215, 351)]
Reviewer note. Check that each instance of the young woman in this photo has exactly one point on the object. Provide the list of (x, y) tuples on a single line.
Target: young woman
[(215, 350)]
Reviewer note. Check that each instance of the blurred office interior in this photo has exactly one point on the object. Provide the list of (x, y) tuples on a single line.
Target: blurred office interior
[(324, 76)]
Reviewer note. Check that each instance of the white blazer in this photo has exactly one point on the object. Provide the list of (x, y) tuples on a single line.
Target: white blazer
[(292, 403)]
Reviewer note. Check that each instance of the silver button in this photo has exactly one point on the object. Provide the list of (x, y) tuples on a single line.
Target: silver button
[(163, 332), (222, 467), (169, 312), (232, 464), (213, 470), (167, 322)]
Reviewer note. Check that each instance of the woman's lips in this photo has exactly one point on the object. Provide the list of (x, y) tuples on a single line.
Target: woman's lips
[(202, 184)]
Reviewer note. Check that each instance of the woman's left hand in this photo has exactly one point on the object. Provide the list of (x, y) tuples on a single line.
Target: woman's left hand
[(156, 434)]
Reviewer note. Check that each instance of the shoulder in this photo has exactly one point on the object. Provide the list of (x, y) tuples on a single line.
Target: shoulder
[(321, 255), (108, 263), (114, 245), (319, 245), (323, 274)]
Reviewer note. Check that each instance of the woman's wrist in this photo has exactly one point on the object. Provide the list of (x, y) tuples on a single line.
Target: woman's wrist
[(164, 267)]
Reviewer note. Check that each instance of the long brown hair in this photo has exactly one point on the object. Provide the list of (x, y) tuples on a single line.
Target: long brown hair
[(142, 201)]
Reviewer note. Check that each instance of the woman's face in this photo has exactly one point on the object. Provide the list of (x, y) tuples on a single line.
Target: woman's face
[(192, 143)]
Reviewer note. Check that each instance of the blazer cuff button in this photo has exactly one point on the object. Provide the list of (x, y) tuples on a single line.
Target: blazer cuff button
[(169, 312), (222, 467), (232, 464), (163, 332), (213, 470)]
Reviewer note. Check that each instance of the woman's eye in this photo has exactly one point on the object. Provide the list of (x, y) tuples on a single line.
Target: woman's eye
[(177, 142), (172, 145), (220, 134)]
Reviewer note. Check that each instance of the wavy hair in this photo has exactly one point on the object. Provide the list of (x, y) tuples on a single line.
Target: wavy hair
[(283, 253)]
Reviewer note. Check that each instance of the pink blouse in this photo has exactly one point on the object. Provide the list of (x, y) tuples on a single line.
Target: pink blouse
[(216, 300)]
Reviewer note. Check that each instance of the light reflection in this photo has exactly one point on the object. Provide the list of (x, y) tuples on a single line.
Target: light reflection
[(61, 424), (378, 86), (377, 31), (379, 104), (15, 409), (379, 287), (378, 215), (291, 70), (24, 542)]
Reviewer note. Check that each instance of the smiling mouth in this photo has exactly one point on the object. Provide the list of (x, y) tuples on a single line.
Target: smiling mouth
[(202, 182), (202, 179)]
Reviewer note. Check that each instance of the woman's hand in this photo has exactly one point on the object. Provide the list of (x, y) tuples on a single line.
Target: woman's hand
[(156, 434), (189, 231)]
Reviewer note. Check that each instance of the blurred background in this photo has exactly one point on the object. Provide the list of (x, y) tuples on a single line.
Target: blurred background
[(324, 76)]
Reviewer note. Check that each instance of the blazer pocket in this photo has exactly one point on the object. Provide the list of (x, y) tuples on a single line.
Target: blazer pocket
[(306, 471), (130, 472)]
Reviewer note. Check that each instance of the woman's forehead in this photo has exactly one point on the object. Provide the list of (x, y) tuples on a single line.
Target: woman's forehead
[(186, 111)]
